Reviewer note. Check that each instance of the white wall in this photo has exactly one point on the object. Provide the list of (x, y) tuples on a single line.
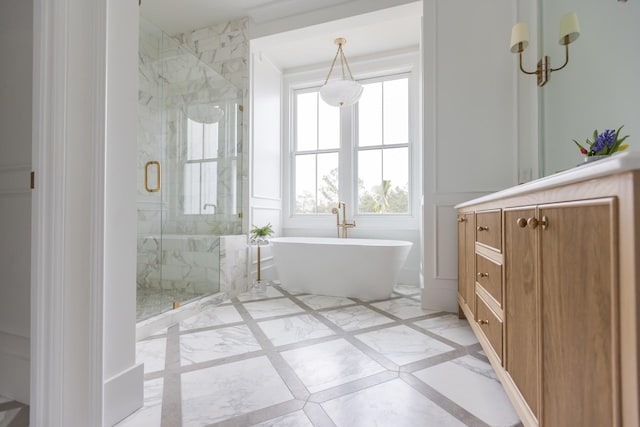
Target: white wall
[(83, 253), (123, 379), (477, 123), (16, 45), (265, 160), (599, 87)]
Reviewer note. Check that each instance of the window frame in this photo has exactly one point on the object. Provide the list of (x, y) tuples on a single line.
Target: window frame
[(406, 62)]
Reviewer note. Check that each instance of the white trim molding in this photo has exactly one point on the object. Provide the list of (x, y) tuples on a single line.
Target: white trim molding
[(47, 237)]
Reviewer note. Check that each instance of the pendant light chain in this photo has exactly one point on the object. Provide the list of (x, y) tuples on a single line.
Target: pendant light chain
[(333, 63)]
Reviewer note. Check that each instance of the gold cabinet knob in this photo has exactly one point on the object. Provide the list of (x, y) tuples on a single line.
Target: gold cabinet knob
[(532, 222), (483, 322), (545, 222), (481, 228), (461, 219), (483, 274), (522, 223)]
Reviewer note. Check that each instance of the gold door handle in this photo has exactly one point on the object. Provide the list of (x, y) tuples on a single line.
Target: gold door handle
[(481, 228), (147, 166), (522, 223), (483, 274), (483, 322)]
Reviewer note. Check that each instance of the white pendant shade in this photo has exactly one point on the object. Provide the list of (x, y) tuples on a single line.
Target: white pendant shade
[(340, 93), (205, 113)]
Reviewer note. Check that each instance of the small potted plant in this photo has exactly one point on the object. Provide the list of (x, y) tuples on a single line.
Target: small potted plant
[(260, 234), (603, 144), (259, 237)]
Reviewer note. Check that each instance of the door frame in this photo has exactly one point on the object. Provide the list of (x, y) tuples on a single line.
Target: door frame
[(54, 276)]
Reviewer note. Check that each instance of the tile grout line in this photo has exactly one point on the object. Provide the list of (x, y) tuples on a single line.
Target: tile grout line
[(172, 387)]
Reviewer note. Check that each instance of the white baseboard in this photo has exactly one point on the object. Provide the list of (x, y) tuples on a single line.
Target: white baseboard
[(15, 367), (440, 298), (123, 394)]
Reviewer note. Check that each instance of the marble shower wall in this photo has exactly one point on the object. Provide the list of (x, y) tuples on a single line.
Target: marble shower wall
[(225, 48)]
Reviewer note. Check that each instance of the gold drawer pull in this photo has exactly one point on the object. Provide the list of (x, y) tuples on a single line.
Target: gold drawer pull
[(481, 228), (522, 223), (483, 322), (483, 274)]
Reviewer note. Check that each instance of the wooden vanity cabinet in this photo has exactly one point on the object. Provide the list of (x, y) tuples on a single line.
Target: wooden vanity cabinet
[(569, 343), (466, 242), (522, 295)]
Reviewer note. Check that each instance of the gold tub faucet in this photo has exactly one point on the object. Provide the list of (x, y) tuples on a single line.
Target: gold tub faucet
[(344, 225)]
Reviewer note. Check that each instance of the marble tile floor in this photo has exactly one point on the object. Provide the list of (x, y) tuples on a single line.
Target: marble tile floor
[(13, 414), (286, 359)]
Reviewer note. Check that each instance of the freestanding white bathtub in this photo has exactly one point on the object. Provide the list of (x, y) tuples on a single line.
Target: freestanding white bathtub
[(356, 268)]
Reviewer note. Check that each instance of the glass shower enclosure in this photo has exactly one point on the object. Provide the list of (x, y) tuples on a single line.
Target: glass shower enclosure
[(189, 173)]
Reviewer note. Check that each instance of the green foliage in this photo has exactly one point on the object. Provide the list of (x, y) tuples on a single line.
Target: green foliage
[(261, 232), (380, 199)]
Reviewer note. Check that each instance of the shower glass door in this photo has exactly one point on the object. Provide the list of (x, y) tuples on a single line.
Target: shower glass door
[(189, 157)]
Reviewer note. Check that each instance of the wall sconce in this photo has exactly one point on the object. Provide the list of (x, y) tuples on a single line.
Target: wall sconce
[(340, 92), (569, 32)]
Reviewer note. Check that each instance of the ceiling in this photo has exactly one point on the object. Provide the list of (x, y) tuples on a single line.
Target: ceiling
[(368, 34), (387, 29)]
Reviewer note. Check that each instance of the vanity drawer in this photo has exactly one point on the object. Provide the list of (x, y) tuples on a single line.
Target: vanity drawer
[(490, 324), (489, 276), (488, 229)]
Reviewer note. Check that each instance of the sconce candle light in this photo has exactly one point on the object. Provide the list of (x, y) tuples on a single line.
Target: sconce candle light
[(345, 91), (569, 32)]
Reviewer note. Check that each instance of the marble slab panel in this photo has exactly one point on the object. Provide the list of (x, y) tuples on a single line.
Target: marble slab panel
[(211, 316), (404, 308), (403, 345), (326, 365), (270, 308), (216, 344), (318, 302), (393, 403), (290, 330), (295, 419), (451, 328), (218, 393), (472, 384), (152, 353), (354, 318)]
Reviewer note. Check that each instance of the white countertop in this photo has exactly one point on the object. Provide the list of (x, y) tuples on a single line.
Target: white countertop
[(617, 163)]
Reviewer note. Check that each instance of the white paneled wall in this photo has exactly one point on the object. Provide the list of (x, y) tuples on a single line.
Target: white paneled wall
[(477, 121), (265, 164), (16, 38)]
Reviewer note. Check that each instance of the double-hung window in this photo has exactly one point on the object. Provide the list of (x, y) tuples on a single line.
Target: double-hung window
[(358, 154), (316, 157), (201, 168), (382, 147)]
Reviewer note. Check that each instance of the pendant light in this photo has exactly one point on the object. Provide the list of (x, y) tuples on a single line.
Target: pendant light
[(341, 92)]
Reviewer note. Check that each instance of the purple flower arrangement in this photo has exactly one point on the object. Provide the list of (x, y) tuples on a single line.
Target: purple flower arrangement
[(605, 143)]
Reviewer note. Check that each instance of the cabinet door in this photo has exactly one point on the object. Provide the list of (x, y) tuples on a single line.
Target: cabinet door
[(466, 257), (521, 304), (580, 384)]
